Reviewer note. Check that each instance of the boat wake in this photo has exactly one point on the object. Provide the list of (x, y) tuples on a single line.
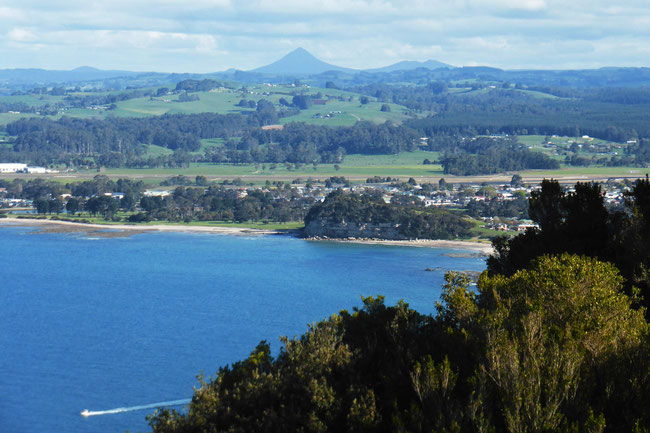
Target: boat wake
[(86, 413)]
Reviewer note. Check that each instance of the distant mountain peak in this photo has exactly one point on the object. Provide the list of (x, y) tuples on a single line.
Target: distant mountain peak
[(299, 62), (411, 64), (301, 50), (85, 69)]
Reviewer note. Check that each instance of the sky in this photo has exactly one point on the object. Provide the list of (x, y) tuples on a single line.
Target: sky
[(214, 35)]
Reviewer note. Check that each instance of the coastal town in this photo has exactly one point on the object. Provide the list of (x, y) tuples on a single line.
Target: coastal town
[(496, 207)]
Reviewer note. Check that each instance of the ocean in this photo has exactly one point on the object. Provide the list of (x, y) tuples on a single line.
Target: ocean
[(101, 324)]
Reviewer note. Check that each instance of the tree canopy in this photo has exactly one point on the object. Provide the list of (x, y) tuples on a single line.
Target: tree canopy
[(527, 353), (579, 222)]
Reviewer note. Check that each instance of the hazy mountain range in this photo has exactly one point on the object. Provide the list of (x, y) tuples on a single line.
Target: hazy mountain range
[(300, 64), (300, 61), (297, 63)]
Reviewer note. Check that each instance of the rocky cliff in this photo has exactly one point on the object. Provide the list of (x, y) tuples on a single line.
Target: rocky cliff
[(323, 229)]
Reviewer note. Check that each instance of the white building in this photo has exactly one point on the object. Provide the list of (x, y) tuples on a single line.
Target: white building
[(36, 170), (12, 168), (155, 193)]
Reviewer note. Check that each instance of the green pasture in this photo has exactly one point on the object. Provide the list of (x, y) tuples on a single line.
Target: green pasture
[(153, 150), (335, 112), (538, 140), (459, 90), (404, 158), (559, 146), (6, 118), (589, 171), (343, 113), (342, 108), (85, 113), (356, 168), (209, 102), (406, 164), (536, 94), (209, 143), (31, 100)]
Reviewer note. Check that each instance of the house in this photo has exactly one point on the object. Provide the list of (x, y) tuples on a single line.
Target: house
[(154, 193), (272, 127)]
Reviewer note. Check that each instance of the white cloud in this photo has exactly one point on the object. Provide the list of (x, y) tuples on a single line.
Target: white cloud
[(292, 7), (528, 5), (21, 35), (205, 35)]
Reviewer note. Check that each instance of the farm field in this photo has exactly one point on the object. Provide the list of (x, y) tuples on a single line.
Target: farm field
[(358, 167), (589, 172), (6, 118), (31, 99)]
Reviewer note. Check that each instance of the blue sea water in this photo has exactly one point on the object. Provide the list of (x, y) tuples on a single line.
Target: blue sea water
[(102, 323)]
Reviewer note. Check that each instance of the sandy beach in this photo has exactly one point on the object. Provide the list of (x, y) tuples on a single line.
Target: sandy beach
[(122, 230), (482, 248)]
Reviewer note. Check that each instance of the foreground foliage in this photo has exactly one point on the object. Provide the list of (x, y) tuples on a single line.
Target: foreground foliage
[(556, 347), (579, 222)]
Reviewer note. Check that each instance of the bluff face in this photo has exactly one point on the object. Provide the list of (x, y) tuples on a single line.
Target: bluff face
[(344, 215), (320, 228)]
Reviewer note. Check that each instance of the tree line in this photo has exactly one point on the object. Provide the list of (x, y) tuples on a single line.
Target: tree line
[(191, 200), (517, 113), (464, 156), (116, 142)]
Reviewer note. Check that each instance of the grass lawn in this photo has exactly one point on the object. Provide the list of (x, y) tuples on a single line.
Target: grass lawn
[(480, 233), (88, 219), (536, 94)]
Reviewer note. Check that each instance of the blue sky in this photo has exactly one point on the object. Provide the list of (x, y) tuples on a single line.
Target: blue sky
[(214, 35)]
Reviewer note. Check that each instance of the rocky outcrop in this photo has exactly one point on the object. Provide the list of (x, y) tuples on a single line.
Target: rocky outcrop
[(324, 229)]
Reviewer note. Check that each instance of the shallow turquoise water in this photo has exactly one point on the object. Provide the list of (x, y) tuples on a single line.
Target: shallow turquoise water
[(88, 323)]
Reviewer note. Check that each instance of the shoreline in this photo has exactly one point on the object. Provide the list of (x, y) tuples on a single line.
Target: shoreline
[(51, 226), (123, 230), (423, 243)]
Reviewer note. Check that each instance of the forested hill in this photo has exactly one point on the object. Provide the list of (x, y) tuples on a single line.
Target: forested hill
[(120, 141), (446, 117)]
